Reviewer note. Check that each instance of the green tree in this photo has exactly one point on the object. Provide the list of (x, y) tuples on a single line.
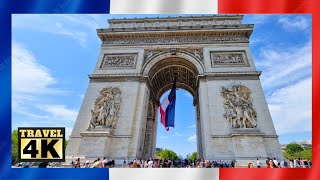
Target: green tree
[(193, 156), (14, 146), (288, 156), (293, 148), (168, 154), (158, 151), (305, 154)]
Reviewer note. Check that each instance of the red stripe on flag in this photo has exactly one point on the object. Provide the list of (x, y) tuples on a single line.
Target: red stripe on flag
[(264, 173), (163, 117), (264, 6)]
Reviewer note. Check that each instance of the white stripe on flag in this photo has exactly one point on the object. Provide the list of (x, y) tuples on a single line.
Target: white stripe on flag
[(163, 6), (165, 103), (163, 174)]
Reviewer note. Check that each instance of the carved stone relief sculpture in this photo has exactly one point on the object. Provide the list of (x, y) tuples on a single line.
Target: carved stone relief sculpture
[(105, 113), (239, 111), (119, 60), (227, 58)]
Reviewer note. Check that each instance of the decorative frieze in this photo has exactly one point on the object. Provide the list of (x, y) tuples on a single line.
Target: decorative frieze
[(176, 40), (226, 58), (119, 61)]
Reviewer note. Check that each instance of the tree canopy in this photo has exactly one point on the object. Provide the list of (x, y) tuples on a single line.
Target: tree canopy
[(168, 154), (296, 151), (14, 145), (293, 148), (193, 156)]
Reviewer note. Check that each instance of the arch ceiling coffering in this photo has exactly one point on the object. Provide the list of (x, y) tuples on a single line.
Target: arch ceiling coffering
[(162, 75)]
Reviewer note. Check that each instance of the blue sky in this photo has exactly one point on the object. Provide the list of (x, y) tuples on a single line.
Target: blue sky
[(52, 56)]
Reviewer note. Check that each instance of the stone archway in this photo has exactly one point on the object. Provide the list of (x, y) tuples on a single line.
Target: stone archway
[(161, 73), (211, 58)]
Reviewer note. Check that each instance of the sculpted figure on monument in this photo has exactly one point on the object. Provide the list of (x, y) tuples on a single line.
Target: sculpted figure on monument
[(239, 110), (106, 109), (197, 54), (149, 54)]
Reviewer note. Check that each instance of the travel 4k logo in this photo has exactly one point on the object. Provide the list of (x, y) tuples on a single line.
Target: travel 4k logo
[(41, 144)]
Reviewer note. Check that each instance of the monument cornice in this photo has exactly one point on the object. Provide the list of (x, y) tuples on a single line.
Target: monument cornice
[(245, 30), (175, 28), (207, 74), (203, 36)]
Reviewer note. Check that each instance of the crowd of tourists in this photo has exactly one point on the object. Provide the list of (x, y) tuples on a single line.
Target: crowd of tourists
[(185, 163), (292, 163), (98, 163)]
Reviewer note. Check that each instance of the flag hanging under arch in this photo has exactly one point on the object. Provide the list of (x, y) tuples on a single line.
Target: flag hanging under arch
[(167, 108)]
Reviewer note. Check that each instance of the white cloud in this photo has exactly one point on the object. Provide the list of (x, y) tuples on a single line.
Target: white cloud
[(283, 66), (53, 115), (290, 107), (28, 76), (192, 138), (31, 83), (72, 26), (297, 23), (59, 112)]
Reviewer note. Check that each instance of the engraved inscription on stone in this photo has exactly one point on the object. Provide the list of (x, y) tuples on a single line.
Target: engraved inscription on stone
[(118, 60), (227, 58)]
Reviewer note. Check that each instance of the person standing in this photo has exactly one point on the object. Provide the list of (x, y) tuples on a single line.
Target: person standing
[(77, 164), (233, 163), (150, 163), (291, 163), (295, 163), (272, 164), (275, 161), (258, 163), (250, 165), (86, 164), (124, 162), (113, 162), (104, 161)]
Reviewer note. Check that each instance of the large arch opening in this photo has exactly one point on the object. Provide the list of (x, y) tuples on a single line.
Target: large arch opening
[(160, 79), (182, 139)]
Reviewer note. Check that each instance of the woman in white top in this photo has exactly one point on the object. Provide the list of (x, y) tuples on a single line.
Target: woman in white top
[(150, 164)]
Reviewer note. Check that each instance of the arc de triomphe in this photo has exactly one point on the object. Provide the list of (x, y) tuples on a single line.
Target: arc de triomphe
[(211, 58)]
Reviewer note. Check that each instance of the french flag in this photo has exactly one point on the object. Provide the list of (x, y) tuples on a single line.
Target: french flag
[(167, 108)]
